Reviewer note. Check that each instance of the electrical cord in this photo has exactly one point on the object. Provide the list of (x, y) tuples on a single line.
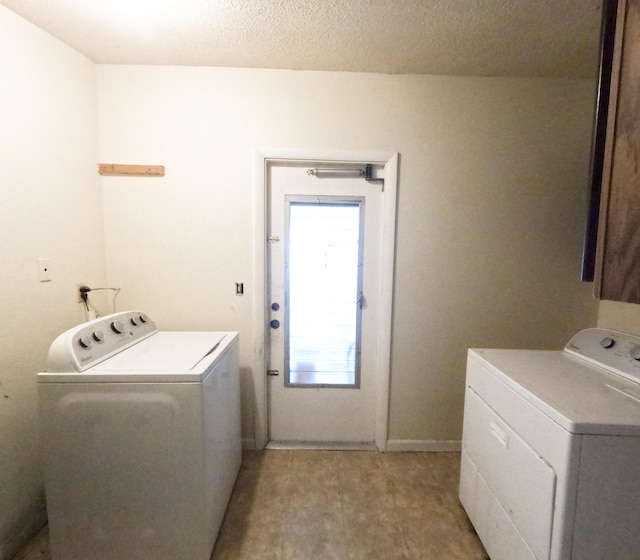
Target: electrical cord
[(84, 295)]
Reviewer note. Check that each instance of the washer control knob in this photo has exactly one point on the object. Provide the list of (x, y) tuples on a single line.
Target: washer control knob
[(85, 341), (143, 318), (135, 321), (635, 353), (117, 327), (607, 342), (98, 336)]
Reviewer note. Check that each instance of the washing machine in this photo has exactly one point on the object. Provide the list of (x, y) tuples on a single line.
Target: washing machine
[(140, 437), (551, 449)]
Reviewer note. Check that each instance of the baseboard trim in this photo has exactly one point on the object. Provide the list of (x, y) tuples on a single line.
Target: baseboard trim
[(323, 445), (393, 445), (399, 445)]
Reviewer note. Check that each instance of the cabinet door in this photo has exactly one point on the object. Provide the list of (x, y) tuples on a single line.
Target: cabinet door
[(619, 230)]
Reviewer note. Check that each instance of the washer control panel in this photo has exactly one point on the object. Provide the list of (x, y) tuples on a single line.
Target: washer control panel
[(612, 350), (90, 343)]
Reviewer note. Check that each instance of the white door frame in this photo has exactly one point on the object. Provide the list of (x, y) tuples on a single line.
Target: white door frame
[(262, 158)]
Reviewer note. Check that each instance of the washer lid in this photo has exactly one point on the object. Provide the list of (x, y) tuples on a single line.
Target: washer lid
[(164, 351)]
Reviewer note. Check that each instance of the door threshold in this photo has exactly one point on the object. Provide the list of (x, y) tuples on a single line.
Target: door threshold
[(324, 445)]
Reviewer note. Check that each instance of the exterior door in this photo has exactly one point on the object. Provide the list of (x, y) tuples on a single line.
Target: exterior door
[(323, 289)]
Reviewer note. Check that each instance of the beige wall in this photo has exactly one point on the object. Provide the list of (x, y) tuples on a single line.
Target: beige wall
[(50, 206), (489, 238), (623, 317), (491, 202)]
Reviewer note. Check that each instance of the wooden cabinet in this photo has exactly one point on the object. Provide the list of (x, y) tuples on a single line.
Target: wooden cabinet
[(618, 251)]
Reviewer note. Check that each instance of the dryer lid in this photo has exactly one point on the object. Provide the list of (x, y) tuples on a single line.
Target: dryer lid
[(580, 397), (164, 351)]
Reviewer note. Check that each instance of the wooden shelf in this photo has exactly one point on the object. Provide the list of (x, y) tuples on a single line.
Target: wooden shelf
[(131, 170)]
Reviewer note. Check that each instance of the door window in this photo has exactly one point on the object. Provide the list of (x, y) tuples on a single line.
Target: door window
[(323, 265)]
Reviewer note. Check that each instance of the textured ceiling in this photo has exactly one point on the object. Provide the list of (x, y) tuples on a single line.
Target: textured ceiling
[(546, 38)]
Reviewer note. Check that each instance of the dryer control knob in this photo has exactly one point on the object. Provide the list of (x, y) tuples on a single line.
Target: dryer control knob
[(98, 336), (85, 341), (635, 353), (134, 321), (117, 327), (143, 318)]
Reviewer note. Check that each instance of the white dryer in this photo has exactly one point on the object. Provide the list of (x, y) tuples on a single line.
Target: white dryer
[(551, 449), (140, 438)]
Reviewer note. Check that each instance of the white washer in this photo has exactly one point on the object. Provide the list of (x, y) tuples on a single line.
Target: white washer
[(551, 449), (141, 439)]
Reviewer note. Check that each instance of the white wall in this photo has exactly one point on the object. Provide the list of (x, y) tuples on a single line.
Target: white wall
[(492, 195), (50, 206)]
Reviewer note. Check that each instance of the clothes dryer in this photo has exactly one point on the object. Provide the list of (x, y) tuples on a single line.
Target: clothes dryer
[(551, 448)]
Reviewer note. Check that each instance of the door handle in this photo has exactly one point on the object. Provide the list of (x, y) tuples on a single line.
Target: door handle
[(275, 324), (501, 435)]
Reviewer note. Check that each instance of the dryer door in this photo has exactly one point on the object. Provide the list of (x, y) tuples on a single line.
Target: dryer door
[(521, 481)]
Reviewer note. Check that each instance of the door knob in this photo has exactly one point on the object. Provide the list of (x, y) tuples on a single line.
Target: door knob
[(275, 324)]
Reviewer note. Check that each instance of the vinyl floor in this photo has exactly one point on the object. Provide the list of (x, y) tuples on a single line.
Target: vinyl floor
[(339, 505)]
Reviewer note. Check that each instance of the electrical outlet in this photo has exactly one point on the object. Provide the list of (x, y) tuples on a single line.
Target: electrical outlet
[(79, 293)]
